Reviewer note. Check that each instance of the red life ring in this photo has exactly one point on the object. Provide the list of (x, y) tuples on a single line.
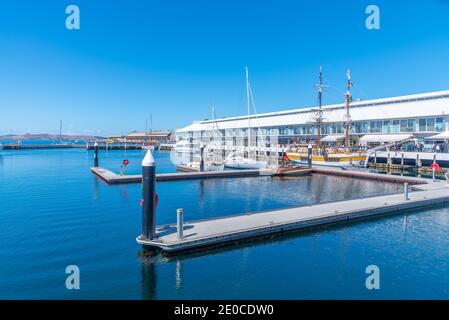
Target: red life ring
[(156, 200), (435, 167)]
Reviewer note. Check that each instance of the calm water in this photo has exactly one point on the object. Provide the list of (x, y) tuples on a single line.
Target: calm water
[(55, 213)]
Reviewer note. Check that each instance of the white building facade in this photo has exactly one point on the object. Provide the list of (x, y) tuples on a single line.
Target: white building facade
[(422, 115)]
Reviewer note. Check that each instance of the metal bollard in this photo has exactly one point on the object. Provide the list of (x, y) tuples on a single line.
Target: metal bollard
[(96, 155), (433, 174), (148, 197), (406, 191), (180, 223)]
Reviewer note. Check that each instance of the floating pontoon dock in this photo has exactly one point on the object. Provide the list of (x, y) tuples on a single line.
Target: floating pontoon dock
[(214, 232), (113, 178)]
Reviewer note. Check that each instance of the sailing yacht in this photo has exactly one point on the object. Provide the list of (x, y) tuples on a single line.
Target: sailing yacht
[(237, 161), (343, 157)]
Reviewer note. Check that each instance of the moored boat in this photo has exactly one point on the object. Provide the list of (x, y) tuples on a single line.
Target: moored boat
[(235, 161)]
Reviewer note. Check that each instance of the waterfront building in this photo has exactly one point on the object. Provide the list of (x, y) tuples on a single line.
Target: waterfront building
[(420, 115), (145, 137)]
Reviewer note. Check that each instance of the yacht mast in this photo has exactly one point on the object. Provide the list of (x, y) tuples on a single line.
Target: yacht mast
[(60, 131), (348, 99), (319, 118), (248, 105)]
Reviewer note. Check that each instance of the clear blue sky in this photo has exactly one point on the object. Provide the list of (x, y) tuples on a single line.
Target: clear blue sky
[(173, 59)]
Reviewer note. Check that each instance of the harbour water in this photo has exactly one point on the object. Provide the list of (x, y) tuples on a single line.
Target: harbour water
[(55, 213)]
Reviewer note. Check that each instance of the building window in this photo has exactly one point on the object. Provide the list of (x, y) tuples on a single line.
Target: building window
[(403, 125), (430, 124), (386, 126), (364, 127), (325, 129), (396, 126), (340, 128), (411, 125), (422, 125), (439, 124), (376, 126)]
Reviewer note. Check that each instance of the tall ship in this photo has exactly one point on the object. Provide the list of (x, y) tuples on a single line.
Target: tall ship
[(343, 152)]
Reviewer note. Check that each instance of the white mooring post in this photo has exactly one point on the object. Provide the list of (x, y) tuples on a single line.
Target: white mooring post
[(148, 197), (406, 191), (180, 223), (96, 155)]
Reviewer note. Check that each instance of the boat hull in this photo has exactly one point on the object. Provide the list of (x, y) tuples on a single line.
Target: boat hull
[(247, 166), (333, 160)]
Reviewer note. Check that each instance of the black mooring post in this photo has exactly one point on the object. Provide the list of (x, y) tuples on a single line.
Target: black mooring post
[(202, 157), (309, 155), (148, 197), (96, 155)]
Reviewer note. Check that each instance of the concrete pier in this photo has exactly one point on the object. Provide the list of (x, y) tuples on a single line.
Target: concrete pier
[(213, 232)]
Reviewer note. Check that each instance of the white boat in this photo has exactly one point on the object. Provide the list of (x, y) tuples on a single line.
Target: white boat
[(238, 162), (144, 147), (195, 166)]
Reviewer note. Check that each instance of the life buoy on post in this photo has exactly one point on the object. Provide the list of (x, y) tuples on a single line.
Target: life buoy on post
[(156, 200)]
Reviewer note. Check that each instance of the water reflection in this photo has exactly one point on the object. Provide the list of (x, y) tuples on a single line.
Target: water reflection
[(124, 192), (179, 274), (148, 282), (405, 225), (96, 188)]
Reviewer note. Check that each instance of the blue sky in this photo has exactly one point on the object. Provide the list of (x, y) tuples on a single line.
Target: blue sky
[(173, 59)]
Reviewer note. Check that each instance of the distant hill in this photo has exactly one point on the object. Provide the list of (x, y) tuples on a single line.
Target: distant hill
[(52, 137)]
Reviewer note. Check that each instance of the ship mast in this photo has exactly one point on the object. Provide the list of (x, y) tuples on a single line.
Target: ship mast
[(248, 104), (319, 118), (348, 122), (60, 131)]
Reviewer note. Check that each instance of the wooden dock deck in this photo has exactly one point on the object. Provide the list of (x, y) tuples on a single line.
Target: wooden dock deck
[(213, 232)]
